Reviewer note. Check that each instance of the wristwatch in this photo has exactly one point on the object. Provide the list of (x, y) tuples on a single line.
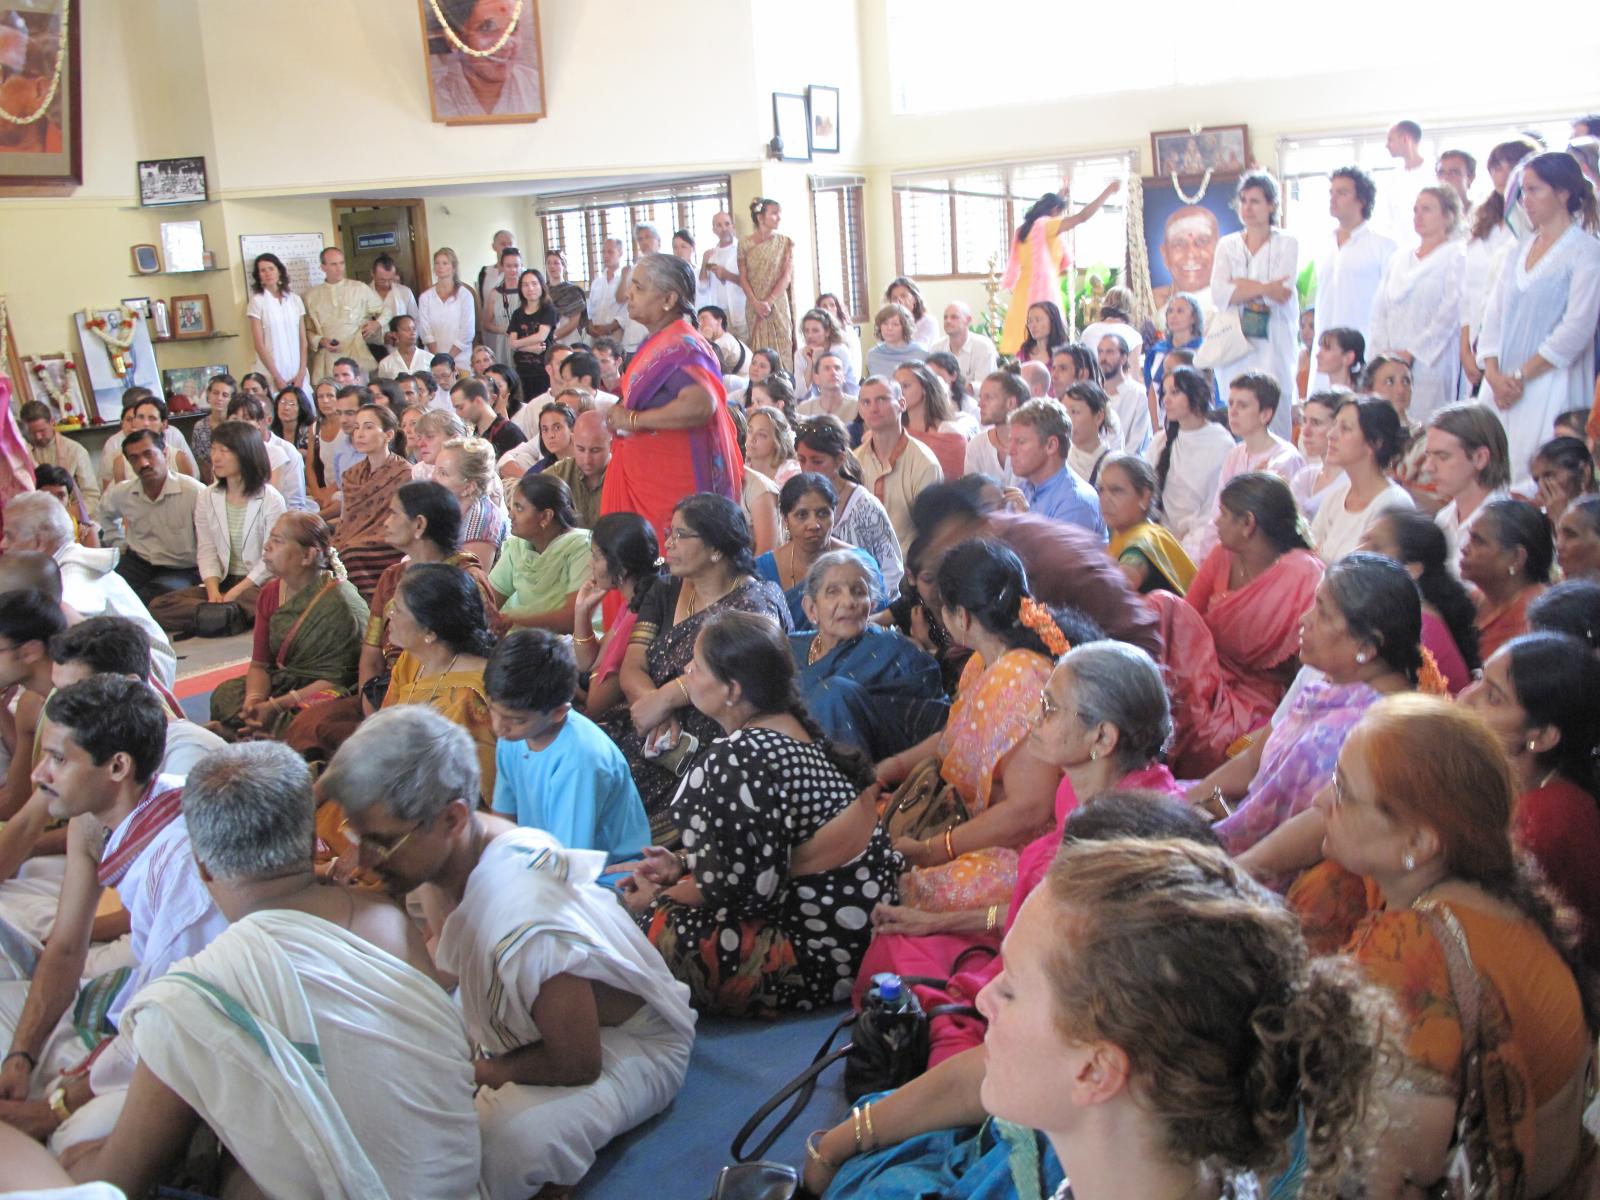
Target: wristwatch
[(58, 1103)]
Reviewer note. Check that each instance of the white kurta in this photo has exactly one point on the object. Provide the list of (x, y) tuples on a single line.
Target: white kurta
[(281, 318), (1130, 404), (1347, 281), (1550, 311), (337, 311), (1417, 310), (983, 458), (533, 910), (730, 297), (1192, 475), (1278, 353), (1397, 198), (449, 324)]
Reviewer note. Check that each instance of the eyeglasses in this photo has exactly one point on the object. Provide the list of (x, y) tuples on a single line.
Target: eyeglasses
[(379, 852), (675, 534), (1048, 707)]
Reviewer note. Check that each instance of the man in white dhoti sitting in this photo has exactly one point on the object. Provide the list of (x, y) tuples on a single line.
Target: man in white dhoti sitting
[(586, 1033), (310, 1036), (64, 1074)]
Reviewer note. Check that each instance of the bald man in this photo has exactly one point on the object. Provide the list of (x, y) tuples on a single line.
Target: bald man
[(585, 472), (1188, 248), (489, 276), (975, 353), (1037, 376)]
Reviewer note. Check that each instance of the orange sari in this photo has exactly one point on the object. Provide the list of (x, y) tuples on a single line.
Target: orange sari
[(652, 470)]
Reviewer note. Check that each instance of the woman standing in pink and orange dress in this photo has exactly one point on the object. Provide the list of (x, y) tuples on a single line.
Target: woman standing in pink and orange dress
[(1039, 257)]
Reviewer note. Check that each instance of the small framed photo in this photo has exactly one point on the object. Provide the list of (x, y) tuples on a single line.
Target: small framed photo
[(824, 105), (1222, 150), (139, 304), (183, 246), (52, 379), (146, 260), (792, 123), (164, 181), (191, 317)]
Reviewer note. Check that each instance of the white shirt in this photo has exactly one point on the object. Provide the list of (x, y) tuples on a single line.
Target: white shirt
[(449, 323), (1347, 282), (400, 302), (289, 472), (730, 297), (983, 458), (604, 307), (91, 586), (846, 411), (281, 318), (1192, 474), (977, 356), (1336, 532), (394, 363), (1131, 405), (1418, 310)]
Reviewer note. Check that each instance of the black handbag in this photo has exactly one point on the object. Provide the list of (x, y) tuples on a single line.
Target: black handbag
[(218, 620), (887, 1048)]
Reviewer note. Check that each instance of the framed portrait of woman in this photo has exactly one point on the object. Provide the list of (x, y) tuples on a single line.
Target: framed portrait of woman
[(483, 60)]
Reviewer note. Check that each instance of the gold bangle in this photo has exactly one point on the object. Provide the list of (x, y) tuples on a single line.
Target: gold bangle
[(872, 1134), (855, 1126), (993, 918), (684, 688), (582, 641), (949, 850), (814, 1154)]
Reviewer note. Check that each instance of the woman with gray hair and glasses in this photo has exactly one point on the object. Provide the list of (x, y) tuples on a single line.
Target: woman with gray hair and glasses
[(674, 435)]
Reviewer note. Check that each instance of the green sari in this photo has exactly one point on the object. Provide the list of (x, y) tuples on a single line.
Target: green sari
[(315, 634)]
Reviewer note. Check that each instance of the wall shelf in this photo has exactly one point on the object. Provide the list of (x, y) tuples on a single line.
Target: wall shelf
[(162, 207), (201, 337), (153, 274)]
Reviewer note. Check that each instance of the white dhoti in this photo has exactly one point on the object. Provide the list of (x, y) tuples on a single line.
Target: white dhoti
[(328, 1067), (533, 910)]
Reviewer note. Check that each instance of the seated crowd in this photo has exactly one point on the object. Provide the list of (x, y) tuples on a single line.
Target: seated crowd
[(1214, 752)]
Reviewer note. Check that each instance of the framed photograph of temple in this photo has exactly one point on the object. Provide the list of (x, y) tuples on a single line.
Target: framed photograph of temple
[(172, 181), (41, 139), (483, 61), (1222, 150)]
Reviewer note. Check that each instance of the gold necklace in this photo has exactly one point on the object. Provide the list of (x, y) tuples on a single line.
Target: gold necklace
[(814, 654)]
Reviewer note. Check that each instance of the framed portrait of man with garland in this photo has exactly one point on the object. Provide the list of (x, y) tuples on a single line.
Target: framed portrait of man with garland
[(41, 115)]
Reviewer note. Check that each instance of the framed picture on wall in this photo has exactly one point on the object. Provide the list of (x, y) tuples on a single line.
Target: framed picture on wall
[(823, 103), (146, 259), (190, 382), (172, 181), (1222, 150), (52, 379), (483, 61), (791, 122), (191, 317), (37, 43), (1181, 230)]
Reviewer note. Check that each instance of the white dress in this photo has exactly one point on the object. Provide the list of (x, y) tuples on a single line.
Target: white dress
[(1551, 311), (1347, 281), (1278, 352), (281, 318), (1337, 531), (1418, 310), (1486, 258), (448, 323), (1192, 475)]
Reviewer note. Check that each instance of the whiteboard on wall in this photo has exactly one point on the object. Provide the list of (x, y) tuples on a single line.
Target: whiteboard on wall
[(300, 252)]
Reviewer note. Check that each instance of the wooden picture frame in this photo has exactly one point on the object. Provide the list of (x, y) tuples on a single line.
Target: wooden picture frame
[(168, 181), (1220, 149), (191, 317), (791, 122), (456, 97), (11, 362), (146, 259), (48, 153), (822, 108)]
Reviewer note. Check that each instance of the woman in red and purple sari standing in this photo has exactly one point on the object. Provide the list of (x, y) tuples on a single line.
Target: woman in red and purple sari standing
[(674, 434)]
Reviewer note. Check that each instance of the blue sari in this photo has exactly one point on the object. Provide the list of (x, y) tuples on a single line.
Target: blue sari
[(879, 692), (767, 568), (994, 1161)]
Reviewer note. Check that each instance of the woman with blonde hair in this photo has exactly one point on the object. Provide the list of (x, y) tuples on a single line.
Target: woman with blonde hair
[(820, 332), (434, 427), (448, 311), (769, 444), (466, 466), (1416, 311)]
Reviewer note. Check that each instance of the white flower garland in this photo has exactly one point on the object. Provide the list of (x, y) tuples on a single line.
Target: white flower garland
[(1205, 182), (100, 327), (450, 34), (55, 82), (60, 398)]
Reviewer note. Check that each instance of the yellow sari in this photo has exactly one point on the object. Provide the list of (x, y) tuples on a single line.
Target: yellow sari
[(1158, 548), (762, 263), (458, 695)]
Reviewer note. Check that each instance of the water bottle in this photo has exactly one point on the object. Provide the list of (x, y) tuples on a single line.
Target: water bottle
[(892, 992)]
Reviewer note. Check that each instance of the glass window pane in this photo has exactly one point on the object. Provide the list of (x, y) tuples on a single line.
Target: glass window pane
[(924, 232)]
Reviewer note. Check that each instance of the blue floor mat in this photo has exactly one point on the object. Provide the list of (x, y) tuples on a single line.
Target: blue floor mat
[(735, 1068)]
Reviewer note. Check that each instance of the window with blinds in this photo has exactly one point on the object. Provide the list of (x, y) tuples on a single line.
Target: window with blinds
[(839, 238), (578, 223), (958, 224)]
